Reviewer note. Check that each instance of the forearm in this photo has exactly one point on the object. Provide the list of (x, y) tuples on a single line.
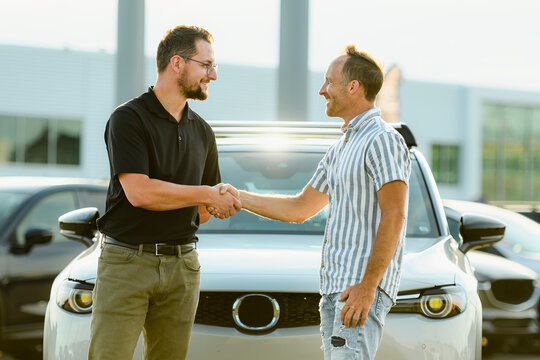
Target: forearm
[(277, 207), (158, 195), (384, 247)]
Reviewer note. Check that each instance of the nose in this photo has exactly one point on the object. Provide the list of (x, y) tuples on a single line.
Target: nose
[(212, 75), (322, 90)]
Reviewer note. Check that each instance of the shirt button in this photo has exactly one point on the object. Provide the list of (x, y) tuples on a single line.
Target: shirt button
[(346, 139), (325, 241), (179, 138), (322, 266)]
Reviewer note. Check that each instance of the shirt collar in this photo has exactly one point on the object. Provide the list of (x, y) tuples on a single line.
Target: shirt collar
[(367, 115), (153, 104)]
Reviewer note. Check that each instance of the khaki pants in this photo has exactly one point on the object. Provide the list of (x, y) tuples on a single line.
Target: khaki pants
[(139, 291)]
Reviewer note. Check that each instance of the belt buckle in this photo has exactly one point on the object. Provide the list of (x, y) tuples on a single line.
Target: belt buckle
[(157, 246)]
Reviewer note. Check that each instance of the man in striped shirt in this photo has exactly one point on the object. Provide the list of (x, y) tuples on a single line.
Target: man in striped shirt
[(364, 180)]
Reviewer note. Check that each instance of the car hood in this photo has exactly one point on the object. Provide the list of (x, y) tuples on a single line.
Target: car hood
[(492, 267), (282, 262)]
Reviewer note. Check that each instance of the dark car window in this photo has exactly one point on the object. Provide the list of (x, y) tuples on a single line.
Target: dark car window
[(8, 202), (420, 218), (45, 214), (95, 198), (287, 173), (453, 225)]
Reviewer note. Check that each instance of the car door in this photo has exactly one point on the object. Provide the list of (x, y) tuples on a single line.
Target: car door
[(30, 274)]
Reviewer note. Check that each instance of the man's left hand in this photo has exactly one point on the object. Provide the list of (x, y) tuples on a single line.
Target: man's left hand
[(358, 302)]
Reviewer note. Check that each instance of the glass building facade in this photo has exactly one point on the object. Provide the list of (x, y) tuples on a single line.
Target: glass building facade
[(35, 140), (510, 152)]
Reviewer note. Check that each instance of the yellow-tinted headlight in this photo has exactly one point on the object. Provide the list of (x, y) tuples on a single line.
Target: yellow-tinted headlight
[(75, 297), (438, 305), (435, 303)]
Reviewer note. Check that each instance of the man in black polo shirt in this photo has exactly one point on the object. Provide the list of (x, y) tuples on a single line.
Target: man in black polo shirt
[(164, 166)]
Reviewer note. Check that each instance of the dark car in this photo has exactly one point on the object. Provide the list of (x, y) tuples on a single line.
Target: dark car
[(509, 291), (32, 251)]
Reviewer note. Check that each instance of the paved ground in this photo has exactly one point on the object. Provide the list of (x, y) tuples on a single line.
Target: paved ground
[(498, 356)]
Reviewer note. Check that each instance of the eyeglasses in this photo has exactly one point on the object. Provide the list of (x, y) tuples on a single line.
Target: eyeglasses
[(209, 67)]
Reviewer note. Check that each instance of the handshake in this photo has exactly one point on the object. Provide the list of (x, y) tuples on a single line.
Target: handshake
[(225, 201)]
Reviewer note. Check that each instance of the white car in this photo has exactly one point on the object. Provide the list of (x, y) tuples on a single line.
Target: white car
[(260, 278), (508, 287)]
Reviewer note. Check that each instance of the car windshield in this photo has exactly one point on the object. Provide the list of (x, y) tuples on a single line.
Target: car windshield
[(522, 234), (8, 202), (287, 173)]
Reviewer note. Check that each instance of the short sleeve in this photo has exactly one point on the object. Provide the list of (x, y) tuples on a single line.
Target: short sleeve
[(211, 175), (126, 143), (387, 159), (319, 180)]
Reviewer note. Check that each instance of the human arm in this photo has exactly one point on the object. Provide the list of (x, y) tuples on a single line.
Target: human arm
[(297, 208), (157, 195), (392, 199)]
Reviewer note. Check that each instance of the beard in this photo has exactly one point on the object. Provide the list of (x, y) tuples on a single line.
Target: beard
[(190, 91)]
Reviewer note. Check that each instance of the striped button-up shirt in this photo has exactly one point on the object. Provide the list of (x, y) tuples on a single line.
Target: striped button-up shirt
[(370, 154)]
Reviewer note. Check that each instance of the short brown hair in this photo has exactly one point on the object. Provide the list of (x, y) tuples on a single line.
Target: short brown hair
[(180, 41), (362, 67)]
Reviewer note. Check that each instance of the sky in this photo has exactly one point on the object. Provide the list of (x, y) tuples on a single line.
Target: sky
[(489, 43)]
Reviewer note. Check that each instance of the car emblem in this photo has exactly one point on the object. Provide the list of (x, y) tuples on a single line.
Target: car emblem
[(256, 312)]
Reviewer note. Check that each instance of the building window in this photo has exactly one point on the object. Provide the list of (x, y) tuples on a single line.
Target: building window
[(36, 140), (8, 134), (511, 153), (444, 163), (68, 142)]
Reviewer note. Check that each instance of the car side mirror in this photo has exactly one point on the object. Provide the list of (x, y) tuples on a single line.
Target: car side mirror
[(33, 236), (478, 231), (36, 235), (80, 225)]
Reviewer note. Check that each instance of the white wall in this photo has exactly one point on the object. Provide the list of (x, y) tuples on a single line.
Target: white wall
[(79, 85)]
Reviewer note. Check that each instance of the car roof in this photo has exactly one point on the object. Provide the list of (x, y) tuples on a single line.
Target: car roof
[(284, 133), (30, 184)]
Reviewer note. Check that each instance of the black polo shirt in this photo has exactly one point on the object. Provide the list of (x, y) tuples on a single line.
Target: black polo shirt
[(143, 138)]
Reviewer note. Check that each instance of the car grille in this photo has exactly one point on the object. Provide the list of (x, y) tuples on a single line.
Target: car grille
[(512, 291), (296, 309)]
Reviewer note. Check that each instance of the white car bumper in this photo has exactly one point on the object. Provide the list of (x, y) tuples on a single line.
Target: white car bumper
[(448, 339)]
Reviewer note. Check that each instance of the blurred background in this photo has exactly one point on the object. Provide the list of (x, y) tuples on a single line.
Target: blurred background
[(462, 73), (464, 76)]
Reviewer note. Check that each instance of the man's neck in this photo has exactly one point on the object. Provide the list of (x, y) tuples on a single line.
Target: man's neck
[(170, 98), (354, 112)]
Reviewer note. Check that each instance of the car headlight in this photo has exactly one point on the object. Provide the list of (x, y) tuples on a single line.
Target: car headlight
[(75, 297), (437, 303)]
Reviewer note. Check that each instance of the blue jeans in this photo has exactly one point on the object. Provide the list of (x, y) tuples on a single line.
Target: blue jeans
[(358, 343)]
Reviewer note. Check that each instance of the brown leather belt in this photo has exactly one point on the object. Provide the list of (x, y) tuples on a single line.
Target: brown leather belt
[(156, 249)]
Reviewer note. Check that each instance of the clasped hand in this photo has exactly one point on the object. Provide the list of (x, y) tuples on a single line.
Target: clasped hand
[(226, 201)]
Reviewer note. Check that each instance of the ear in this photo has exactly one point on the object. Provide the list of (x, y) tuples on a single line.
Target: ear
[(354, 86), (177, 63)]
